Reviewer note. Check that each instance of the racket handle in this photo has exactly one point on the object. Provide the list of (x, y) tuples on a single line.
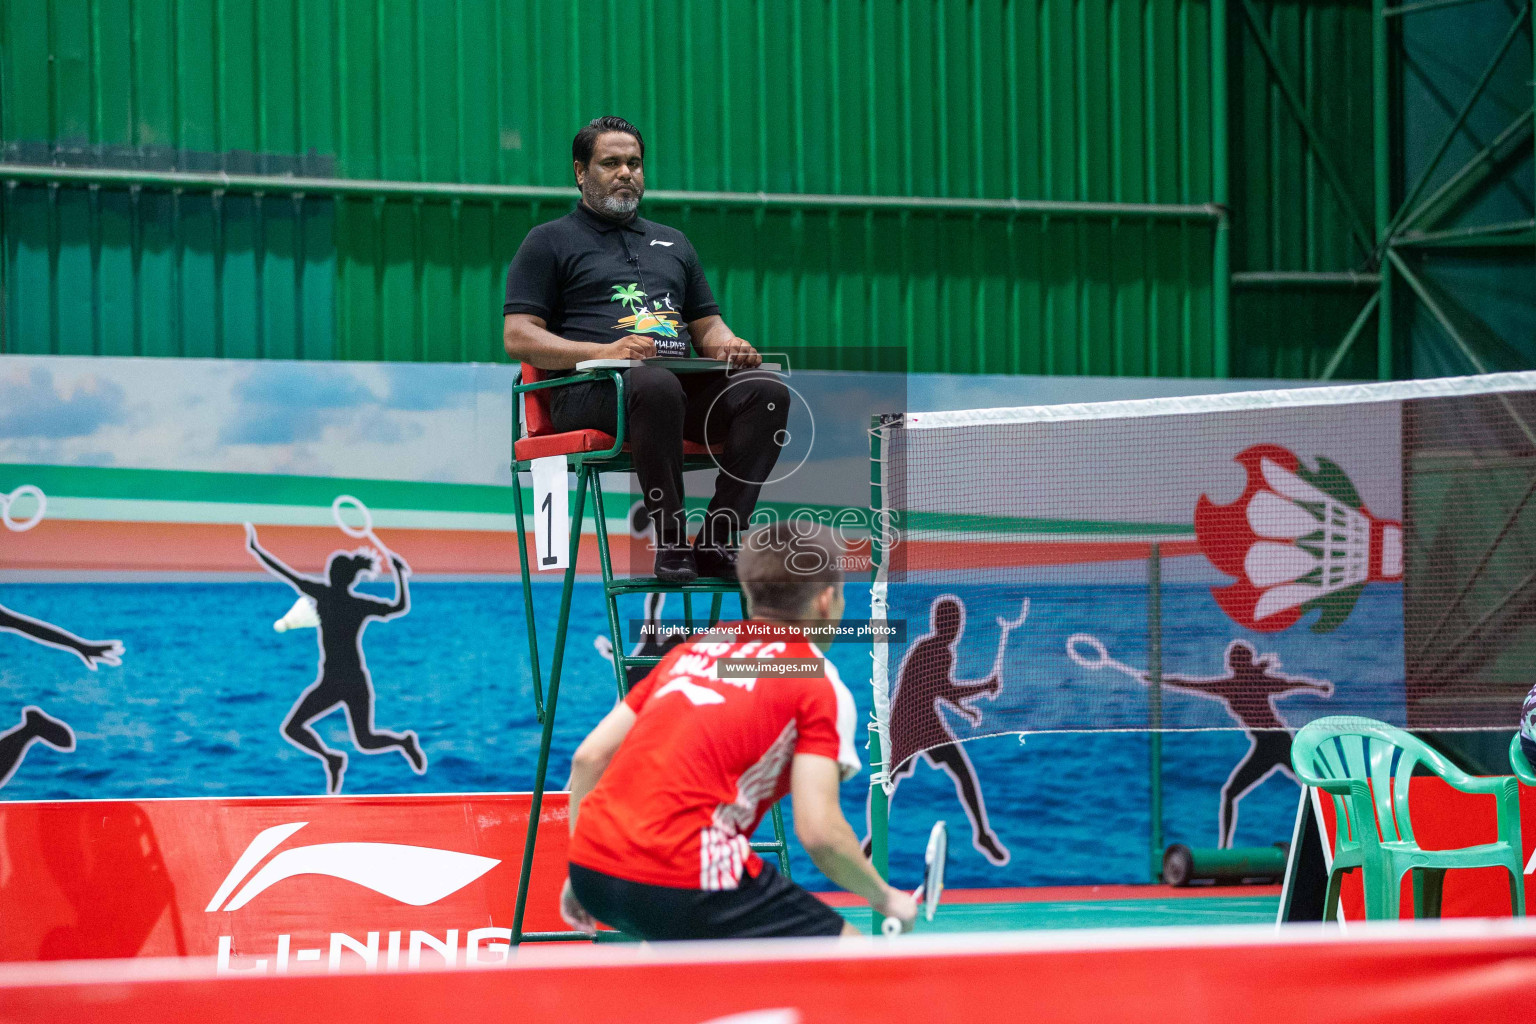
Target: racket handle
[(890, 927)]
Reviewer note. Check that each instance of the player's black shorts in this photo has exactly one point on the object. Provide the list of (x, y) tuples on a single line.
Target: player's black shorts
[(767, 906)]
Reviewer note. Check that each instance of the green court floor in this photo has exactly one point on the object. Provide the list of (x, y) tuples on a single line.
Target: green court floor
[(998, 917)]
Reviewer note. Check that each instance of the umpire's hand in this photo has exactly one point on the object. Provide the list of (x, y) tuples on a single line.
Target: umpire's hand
[(636, 346)]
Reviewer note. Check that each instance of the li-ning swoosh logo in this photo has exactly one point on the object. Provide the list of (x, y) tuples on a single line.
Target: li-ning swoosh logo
[(697, 695), (657, 241), (417, 875)]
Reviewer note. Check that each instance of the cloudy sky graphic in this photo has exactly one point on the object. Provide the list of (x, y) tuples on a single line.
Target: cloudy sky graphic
[(447, 423), (427, 422)]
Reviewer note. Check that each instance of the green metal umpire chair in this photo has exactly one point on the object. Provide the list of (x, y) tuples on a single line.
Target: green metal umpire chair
[(589, 453)]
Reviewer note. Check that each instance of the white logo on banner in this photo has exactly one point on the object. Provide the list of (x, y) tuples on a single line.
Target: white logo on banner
[(417, 875)]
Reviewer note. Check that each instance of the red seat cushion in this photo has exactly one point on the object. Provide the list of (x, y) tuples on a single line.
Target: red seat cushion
[(542, 440), (576, 442)]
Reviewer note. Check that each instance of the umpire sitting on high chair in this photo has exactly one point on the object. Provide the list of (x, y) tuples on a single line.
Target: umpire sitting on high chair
[(603, 283)]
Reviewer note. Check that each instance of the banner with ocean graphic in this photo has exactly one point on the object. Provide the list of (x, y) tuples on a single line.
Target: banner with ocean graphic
[(229, 578), (1191, 570)]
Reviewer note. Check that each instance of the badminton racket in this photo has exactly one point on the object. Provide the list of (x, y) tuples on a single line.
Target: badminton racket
[(8, 501), (365, 531), (932, 888)]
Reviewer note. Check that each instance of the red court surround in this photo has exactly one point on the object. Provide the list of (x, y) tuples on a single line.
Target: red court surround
[(1440, 973)]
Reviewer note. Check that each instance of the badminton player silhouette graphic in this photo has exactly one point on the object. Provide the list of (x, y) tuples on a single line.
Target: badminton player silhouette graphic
[(36, 727), (106, 652), (924, 682), (343, 675), (92, 652), (1248, 691)]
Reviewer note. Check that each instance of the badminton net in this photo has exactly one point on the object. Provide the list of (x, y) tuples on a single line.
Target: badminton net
[(1247, 561)]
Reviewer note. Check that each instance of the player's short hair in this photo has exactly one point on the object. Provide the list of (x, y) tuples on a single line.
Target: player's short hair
[(784, 566), (586, 139)]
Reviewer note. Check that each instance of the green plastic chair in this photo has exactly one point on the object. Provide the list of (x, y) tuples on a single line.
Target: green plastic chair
[(1517, 760), (1365, 766)]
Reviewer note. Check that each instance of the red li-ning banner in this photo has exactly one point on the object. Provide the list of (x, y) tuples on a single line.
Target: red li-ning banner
[(277, 886), (1435, 973), (1443, 819)]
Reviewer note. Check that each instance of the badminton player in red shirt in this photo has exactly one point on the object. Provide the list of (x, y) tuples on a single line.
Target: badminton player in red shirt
[(668, 789)]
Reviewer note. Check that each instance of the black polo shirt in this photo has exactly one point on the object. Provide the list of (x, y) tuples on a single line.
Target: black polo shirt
[(591, 279)]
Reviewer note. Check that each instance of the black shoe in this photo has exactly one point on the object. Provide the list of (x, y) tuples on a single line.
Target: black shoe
[(715, 560), (675, 565)]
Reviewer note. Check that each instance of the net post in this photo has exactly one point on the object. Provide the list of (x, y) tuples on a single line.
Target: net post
[(879, 799), (1155, 702)]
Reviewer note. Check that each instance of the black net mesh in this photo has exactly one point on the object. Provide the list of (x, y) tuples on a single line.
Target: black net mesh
[(1469, 596)]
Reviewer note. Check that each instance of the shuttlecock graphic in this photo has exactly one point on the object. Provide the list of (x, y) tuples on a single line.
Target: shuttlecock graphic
[(1297, 540), (301, 616)]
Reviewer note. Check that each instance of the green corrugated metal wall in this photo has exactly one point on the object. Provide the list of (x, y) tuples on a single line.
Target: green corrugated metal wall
[(1287, 214), (1064, 100)]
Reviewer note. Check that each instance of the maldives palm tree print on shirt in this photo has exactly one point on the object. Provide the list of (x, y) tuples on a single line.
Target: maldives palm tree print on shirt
[(642, 319)]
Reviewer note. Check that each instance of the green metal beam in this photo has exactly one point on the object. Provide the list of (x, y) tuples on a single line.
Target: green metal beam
[(1381, 158), (1461, 117), (1436, 311), (1510, 233), (1424, 5), (1314, 138), (1473, 173), (1221, 252), (1355, 330), (1306, 279), (448, 191)]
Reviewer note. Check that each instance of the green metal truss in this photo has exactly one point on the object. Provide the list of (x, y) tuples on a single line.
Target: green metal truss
[(1414, 221)]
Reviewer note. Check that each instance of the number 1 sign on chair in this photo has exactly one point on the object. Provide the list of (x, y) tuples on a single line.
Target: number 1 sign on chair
[(552, 517)]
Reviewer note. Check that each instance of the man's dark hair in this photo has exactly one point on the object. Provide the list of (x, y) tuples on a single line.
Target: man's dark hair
[(586, 139), (784, 566)]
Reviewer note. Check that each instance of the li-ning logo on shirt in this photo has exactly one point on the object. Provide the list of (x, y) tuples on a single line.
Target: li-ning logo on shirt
[(697, 695), (417, 875), (657, 241)]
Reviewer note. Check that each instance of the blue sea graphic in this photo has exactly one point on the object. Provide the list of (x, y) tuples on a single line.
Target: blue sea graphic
[(205, 683)]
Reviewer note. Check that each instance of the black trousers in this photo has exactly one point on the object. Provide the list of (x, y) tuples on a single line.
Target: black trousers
[(744, 412), (768, 906)]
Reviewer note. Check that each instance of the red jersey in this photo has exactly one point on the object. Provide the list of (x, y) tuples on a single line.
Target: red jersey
[(705, 760)]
